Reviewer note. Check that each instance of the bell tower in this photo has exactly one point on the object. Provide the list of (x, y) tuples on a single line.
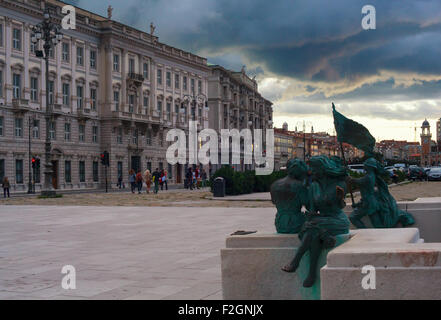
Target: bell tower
[(426, 139)]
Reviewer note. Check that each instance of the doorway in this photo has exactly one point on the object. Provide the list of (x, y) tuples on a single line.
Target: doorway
[(136, 163), (55, 174)]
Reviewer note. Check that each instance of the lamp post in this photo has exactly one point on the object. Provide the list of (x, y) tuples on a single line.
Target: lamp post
[(30, 187), (193, 100), (309, 124), (49, 33)]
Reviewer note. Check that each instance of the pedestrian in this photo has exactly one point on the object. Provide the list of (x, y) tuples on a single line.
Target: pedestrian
[(161, 179), (204, 177), (148, 180), (164, 180), (193, 179), (189, 177), (139, 181), (119, 181), (156, 176), (5, 185), (132, 180)]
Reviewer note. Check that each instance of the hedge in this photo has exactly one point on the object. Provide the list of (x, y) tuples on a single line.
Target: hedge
[(237, 182)]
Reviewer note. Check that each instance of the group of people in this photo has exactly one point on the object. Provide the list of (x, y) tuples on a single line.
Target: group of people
[(157, 178), (195, 178)]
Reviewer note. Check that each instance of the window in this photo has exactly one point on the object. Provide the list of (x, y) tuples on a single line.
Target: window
[(18, 171), (36, 129), (34, 89), (184, 83), (116, 62), (148, 137), (131, 102), (93, 98), (145, 70), (161, 166), (16, 39), (51, 52), (116, 99), (119, 136), (19, 127), (65, 52), (159, 106), (67, 131), (80, 56), (95, 171), (32, 47), (168, 110), (66, 93), (16, 85), (52, 132), (199, 86), (82, 171), (67, 172), (131, 65), (1, 37), (192, 85), (1, 126), (135, 137), (51, 92), (159, 77), (95, 134), (79, 97), (176, 108), (149, 166), (81, 132), (93, 59), (146, 101), (168, 79), (176, 81)]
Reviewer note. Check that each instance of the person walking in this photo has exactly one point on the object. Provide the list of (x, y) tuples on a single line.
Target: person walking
[(164, 179), (156, 177), (189, 176), (148, 180), (139, 181), (204, 178), (119, 181), (5, 185), (132, 180), (161, 179)]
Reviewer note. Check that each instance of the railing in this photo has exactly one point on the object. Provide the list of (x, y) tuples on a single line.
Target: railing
[(137, 77)]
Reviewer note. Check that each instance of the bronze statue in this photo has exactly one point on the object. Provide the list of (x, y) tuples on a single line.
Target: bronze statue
[(109, 12), (325, 218), (290, 194), (378, 205)]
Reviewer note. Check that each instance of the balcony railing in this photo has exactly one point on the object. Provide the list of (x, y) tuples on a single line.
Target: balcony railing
[(135, 77)]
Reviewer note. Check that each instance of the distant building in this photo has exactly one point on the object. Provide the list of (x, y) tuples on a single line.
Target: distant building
[(430, 154)]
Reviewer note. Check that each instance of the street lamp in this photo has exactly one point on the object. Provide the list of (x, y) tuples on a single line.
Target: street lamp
[(33, 121), (309, 124), (193, 100), (49, 33)]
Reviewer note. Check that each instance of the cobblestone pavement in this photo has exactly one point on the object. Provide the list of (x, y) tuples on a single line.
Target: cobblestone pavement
[(118, 252)]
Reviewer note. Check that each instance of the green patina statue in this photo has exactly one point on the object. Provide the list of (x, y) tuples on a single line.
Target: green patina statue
[(325, 218), (290, 194), (378, 205)]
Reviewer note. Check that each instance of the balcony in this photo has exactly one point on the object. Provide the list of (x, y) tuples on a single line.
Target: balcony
[(20, 105), (83, 114), (135, 78)]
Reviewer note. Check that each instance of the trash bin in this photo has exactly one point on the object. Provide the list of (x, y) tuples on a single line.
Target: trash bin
[(219, 187)]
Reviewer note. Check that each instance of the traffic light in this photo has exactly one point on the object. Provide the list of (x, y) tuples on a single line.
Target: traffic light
[(34, 161), (105, 158)]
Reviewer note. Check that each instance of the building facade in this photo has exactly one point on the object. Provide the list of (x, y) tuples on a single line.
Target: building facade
[(235, 103), (111, 88)]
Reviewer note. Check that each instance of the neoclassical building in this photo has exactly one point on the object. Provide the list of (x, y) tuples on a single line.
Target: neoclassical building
[(112, 88), (235, 103)]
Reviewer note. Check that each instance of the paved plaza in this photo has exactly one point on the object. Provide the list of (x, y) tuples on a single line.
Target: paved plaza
[(119, 252)]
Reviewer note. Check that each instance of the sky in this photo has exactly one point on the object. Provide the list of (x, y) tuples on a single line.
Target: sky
[(306, 54)]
